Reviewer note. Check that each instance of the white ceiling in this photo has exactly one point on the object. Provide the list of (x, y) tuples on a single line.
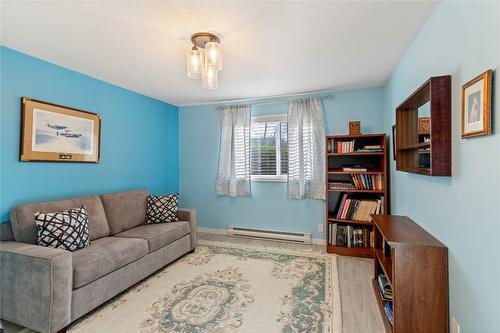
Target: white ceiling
[(270, 48)]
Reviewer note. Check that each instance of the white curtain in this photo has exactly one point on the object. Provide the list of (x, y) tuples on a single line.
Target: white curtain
[(233, 173), (306, 149)]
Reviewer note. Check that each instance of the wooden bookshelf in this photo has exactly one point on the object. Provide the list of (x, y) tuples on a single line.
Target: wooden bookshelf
[(416, 266), (375, 163), (435, 93)]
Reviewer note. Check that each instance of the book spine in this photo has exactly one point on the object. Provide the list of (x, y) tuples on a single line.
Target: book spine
[(341, 206), (345, 208), (334, 236)]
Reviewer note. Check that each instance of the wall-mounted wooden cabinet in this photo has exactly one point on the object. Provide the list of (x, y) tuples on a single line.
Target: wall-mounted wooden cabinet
[(423, 129)]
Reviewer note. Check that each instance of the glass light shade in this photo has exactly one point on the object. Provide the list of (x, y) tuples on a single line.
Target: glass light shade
[(194, 63), (213, 55), (210, 79)]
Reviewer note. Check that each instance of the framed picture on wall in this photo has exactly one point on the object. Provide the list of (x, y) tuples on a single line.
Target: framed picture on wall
[(476, 106), (55, 133)]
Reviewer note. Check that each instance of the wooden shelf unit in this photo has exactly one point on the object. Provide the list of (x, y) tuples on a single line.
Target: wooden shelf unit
[(416, 266), (409, 140), (376, 163)]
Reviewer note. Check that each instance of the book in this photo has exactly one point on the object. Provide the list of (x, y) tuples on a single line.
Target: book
[(370, 148), (341, 239), (340, 185), (351, 208), (340, 146), (350, 236), (353, 167), (367, 182), (342, 202), (389, 312), (334, 233), (384, 287)]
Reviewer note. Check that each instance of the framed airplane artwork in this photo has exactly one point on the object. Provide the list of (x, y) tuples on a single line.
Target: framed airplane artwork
[(55, 133)]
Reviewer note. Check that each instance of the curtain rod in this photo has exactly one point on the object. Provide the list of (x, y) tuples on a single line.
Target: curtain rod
[(329, 96)]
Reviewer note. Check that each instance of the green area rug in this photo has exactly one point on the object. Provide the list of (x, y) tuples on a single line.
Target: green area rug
[(228, 288)]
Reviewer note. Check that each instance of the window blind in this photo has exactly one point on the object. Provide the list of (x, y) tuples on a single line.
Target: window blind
[(268, 148)]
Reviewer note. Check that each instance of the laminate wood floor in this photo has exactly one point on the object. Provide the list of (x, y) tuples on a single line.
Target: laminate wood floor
[(360, 313)]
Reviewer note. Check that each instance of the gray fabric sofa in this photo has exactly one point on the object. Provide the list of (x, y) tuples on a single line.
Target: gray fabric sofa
[(46, 289)]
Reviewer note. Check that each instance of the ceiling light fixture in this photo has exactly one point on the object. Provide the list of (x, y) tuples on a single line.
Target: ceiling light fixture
[(204, 59)]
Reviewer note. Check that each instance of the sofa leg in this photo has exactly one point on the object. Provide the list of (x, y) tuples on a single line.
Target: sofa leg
[(63, 330), (192, 251)]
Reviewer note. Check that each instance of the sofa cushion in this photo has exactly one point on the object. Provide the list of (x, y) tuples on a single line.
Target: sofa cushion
[(67, 230), (125, 210), (158, 235), (22, 217), (162, 208), (103, 256)]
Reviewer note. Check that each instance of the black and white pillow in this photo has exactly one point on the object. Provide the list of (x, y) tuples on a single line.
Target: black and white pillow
[(162, 208), (67, 229)]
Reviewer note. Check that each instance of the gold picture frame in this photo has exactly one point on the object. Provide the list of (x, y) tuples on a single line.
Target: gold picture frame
[(56, 133), (476, 106)]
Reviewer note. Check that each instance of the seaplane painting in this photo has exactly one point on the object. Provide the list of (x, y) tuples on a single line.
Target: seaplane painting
[(61, 133), (57, 133), (64, 131)]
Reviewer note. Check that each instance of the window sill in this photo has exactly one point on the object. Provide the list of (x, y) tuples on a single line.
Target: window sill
[(270, 179)]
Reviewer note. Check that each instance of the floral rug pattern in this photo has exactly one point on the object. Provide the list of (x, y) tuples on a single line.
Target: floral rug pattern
[(210, 303), (221, 290), (307, 297)]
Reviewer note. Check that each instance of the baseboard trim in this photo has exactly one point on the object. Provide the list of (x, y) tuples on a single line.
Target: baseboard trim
[(212, 230), (316, 241), (216, 231)]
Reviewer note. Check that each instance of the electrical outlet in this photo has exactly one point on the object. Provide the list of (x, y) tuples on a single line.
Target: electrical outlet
[(320, 227), (455, 326)]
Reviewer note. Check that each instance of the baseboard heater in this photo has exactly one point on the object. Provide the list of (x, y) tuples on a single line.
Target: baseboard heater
[(296, 237)]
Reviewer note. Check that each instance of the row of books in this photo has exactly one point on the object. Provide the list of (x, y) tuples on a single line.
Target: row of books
[(385, 291), (350, 236), (350, 208), (340, 185), (368, 182), (340, 146), (359, 182)]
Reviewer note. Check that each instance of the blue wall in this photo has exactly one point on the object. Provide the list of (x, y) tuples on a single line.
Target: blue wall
[(268, 207), (139, 141), (463, 211)]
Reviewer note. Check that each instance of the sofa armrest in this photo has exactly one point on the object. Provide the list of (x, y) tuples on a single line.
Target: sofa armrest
[(36, 284), (186, 214)]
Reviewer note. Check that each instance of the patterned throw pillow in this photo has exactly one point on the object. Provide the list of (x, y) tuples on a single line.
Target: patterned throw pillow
[(162, 208), (68, 229)]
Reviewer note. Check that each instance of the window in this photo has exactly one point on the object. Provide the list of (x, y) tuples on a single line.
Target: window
[(269, 148)]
